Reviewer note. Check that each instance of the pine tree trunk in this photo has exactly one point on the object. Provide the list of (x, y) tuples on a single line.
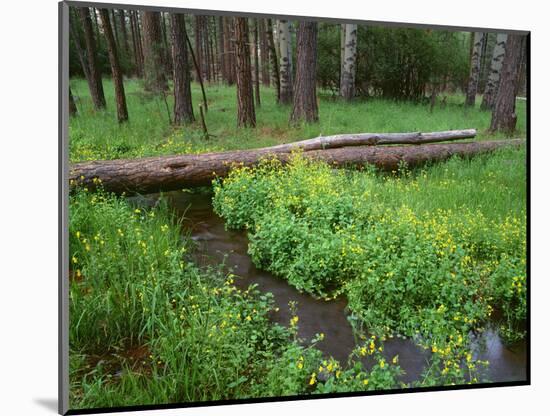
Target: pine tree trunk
[(72, 106), (246, 116), (121, 109), (274, 62), (285, 62), (135, 45), (256, 64), (113, 27), (305, 96), (475, 64), (347, 83), (221, 50), (504, 116), (264, 52), (166, 50), (124, 32), (491, 88), (75, 35), (342, 49), (183, 106), (154, 70), (96, 84)]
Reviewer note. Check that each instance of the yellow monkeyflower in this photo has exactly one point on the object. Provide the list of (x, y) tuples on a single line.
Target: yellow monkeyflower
[(366, 382), (395, 359), (294, 320), (313, 379)]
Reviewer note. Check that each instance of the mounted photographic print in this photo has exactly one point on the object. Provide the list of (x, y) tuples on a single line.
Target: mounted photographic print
[(265, 208)]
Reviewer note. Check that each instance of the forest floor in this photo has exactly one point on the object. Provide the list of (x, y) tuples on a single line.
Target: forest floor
[(96, 135), (447, 243)]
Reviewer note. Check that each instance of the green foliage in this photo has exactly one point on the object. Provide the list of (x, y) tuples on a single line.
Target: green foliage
[(147, 326), (395, 63), (448, 248)]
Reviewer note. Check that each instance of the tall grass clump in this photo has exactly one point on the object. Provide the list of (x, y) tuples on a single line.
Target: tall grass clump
[(149, 327)]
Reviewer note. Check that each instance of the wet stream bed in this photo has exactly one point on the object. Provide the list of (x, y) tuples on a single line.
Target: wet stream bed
[(215, 245)]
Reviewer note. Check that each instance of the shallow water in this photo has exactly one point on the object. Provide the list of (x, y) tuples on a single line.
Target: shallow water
[(216, 245)]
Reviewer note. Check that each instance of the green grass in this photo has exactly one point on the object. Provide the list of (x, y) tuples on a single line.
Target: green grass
[(97, 135), (147, 326)]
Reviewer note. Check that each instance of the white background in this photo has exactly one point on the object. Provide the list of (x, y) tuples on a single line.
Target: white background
[(28, 217)]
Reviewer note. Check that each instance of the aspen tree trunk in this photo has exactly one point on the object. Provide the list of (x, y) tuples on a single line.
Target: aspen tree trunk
[(155, 72), (121, 109), (305, 96), (246, 116), (96, 84), (183, 106), (491, 88), (285, 71), (504, 113), (256, 64), (347, 83), (275, 79), (475, 64)]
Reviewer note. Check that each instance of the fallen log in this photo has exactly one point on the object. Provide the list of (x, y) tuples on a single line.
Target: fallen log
[(166, 173), (371, 139)]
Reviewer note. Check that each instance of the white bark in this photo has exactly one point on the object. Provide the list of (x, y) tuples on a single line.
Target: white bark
[(285, 48), (347, 79), (475, 65), (494, 75)]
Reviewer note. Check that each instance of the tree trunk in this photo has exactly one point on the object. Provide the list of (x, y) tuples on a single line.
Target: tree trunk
[(305, 96), (493, 78), (264, 52), (342, 49), (136, 43), (347, 84), (96, 84), (475, 63), (121, 109), (221, 50), (504, 113), (245, 101), (275, 79), (72, 106), (183, 106), (285, 47), (154, 70), (122, 23), (114, 28), (166, 173), (166, 49), (75, 35), (229, 48), (256, 64)]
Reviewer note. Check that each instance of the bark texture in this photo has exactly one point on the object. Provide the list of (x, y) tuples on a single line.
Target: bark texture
[(95, 84), (154, 69), (491, 88), (275, 78), (347, 79), (167, 173), (305, 96), (246, 116), (504, 113), (256, 64), (116, 72), (183, 106), (475, 65), (285, 53)]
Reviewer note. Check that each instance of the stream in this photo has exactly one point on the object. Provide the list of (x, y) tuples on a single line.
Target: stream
[(216, 245)]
